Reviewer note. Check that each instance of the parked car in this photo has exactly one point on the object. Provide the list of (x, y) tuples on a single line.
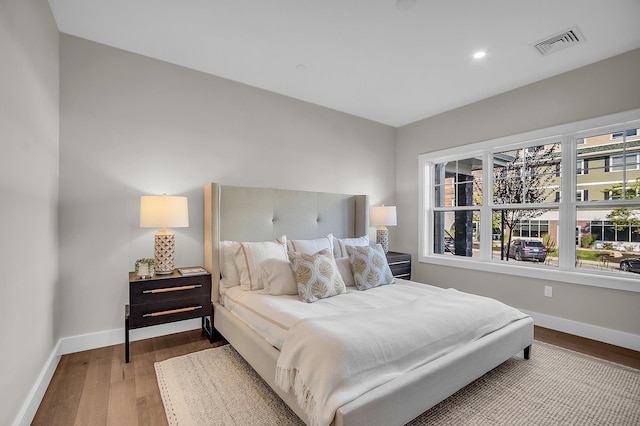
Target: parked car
[(525, 249), (449, 244), (630, 265)]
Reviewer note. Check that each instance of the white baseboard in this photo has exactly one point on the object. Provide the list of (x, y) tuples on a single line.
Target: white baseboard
[(594, 332), (101, 339), (30, 406), (84, 342)]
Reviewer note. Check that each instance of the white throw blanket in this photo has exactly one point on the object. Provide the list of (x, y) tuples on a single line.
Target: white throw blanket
[(329, 361)]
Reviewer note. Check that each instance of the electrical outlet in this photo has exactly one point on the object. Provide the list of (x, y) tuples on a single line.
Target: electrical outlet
[(548, 291)]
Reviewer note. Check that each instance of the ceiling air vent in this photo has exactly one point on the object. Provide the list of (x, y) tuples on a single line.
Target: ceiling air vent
[(559, 41)]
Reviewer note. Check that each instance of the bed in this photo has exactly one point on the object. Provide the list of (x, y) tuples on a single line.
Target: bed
[(262, 214)]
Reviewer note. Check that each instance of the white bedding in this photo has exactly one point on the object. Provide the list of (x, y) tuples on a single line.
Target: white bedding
[(329, 361), (272, 316)]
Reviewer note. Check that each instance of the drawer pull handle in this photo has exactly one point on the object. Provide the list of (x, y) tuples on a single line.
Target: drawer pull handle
[(172, 311), (168, 289), (399, 262)]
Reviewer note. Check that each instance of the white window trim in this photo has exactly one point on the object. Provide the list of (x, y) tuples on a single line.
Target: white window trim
[(566, 271)]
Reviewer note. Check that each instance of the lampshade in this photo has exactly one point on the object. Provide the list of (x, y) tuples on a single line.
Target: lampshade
[(163, 211), (383, 216)]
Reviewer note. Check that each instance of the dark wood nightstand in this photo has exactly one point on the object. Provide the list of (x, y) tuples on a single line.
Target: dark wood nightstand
[(400, 264), (168, 298)]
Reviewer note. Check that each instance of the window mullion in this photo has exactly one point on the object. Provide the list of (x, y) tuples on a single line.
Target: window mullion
[(567, 211), (425, 222), (486, 222)]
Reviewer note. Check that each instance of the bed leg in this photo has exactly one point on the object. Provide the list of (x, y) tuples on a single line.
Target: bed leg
[(527, 352)]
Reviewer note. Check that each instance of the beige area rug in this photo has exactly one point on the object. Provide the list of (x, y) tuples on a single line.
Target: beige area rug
[(555, 387)]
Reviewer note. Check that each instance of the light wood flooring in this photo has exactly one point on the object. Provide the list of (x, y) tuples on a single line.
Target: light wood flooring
[(97, 387)]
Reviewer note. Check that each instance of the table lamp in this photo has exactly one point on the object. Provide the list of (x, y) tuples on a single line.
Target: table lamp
[(382, 217), (162, 211)]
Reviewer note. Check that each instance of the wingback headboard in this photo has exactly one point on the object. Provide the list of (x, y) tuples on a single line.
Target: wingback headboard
[(262, 214)]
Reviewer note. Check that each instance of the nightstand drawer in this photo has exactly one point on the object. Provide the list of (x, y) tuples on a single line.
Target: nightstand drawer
[(156, 291), (167, 311), (402, 269), (400, 264)]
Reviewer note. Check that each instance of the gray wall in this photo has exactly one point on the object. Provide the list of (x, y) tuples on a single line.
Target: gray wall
[(29, 194), (131, 125), (603, 88)]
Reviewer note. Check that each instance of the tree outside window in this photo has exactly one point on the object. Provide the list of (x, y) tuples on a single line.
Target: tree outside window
[(523, 177)]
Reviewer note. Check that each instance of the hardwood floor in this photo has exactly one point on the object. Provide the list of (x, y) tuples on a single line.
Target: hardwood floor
[(97, 387), (590, 347)]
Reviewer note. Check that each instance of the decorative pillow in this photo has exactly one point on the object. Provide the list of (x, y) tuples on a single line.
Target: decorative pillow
[(277, 277), (340, 245), (344, 267), (250, 255), (228, 269), (311, 246), (369, 266), (316, 275)]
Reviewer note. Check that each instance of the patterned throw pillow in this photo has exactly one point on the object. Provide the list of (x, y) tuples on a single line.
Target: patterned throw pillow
[(316, 275), (369, 266)]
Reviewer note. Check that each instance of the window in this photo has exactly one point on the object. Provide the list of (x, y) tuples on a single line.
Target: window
[(632, 132), (511, 189), (457, 193), (581, 195), (618, 163)]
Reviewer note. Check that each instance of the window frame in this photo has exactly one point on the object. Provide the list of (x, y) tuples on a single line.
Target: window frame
[(569, 135)]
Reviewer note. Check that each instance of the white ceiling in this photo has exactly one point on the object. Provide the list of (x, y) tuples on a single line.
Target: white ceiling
[(363, 57)]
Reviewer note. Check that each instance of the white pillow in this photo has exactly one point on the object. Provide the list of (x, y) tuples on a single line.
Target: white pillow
[(228, 270), (344, 267), (277, 277), (311, 246), (340, 245), (250, 255)]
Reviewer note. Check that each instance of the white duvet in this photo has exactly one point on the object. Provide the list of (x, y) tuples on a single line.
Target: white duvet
[(329, 361), (336, 349)]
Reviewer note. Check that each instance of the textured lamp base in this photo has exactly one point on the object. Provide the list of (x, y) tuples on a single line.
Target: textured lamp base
[(382, 238), (165, 249)]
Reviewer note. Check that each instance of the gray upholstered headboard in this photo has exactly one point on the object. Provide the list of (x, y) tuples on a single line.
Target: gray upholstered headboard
[(262, 214)]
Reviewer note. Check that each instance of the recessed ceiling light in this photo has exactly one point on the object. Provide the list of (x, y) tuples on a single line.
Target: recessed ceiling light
[(480, 54)]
